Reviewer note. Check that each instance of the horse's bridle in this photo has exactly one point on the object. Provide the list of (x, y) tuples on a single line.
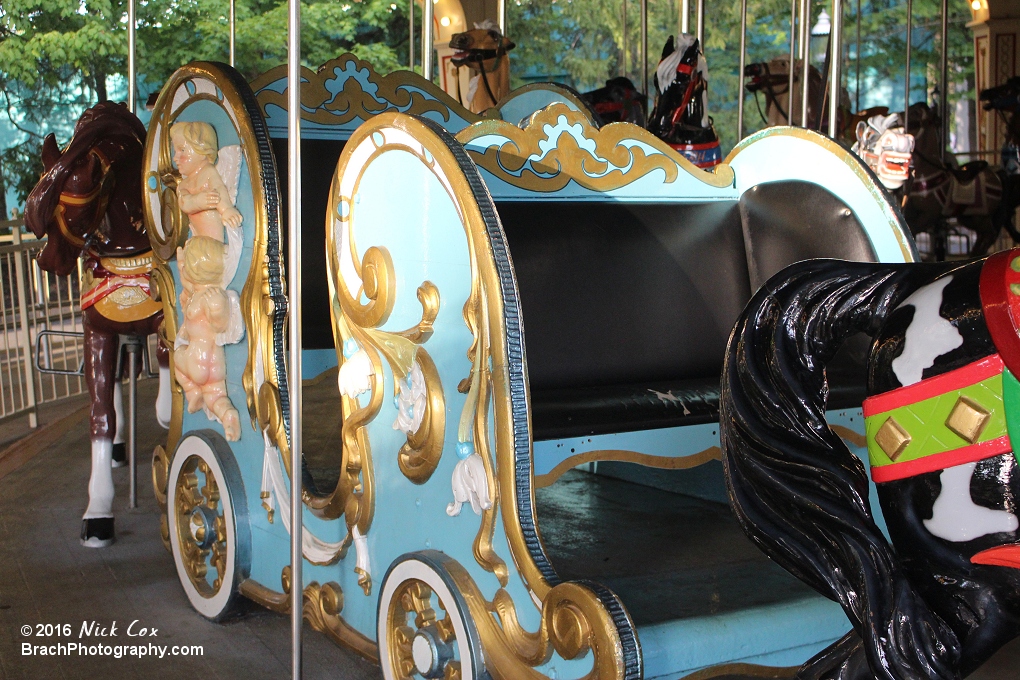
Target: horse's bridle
[(479, 57), (69, 199)]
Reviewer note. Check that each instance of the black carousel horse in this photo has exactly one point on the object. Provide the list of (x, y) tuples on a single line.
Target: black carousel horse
[(944, 594), (618, 102), (680, 116)]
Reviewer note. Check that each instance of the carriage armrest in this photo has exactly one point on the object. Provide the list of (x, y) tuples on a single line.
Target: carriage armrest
[(604, 409)]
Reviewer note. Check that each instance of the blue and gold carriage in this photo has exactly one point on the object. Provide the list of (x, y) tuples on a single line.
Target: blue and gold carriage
[(511, 380)]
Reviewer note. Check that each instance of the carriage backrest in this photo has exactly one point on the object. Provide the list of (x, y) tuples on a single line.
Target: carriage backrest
[(638, 274)]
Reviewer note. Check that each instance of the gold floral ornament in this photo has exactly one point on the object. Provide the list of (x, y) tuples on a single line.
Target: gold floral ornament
[(347, 89), (201, 527), (559, 145)]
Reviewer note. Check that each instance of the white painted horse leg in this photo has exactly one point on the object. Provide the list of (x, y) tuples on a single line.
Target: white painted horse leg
[(163, 402), (119, 449), (97, 523)]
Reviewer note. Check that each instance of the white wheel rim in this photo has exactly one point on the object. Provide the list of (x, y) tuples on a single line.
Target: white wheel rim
[(414, 570), (209, 606)]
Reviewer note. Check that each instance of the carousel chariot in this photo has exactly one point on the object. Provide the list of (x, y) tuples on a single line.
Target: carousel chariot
[(492, 310)]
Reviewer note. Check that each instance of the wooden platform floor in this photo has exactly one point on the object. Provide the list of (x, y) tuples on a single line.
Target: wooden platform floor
[(46, 577), (666, 555)]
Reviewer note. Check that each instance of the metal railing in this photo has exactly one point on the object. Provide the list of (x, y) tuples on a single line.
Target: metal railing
[(39, 314)]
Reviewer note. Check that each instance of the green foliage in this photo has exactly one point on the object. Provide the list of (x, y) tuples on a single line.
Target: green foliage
[(57, 56)]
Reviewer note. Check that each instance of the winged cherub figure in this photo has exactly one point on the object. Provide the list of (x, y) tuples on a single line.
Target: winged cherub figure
[(211, 312)]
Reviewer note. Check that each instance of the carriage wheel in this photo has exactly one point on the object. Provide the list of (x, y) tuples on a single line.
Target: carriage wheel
[(424, 628), (210, 537)]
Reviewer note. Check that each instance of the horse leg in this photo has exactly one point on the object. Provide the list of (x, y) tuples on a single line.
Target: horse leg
[(119, 448), (987, 232), (164, 403), (100, 360)]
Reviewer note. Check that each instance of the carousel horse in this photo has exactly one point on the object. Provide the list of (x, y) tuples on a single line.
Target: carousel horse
[(942, 593), (1005, 99), (88, 203), (772, 79), (618, 102), (971, 193), (680, 116), (484, 50), (885, 148)]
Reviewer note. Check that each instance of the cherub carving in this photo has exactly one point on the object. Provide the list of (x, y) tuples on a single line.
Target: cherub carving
[(212, 314)]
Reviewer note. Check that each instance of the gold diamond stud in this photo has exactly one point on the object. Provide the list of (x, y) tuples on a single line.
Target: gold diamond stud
[(968, 419), (892, 438)]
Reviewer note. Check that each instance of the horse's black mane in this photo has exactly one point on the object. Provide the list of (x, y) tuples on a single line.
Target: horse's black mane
[(797, 490), (104, 121)]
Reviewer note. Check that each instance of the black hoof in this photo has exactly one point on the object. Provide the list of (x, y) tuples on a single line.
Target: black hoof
[(119, 455), (97, 532)]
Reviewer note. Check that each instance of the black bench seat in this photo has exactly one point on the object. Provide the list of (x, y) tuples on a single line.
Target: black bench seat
[(627, 306)]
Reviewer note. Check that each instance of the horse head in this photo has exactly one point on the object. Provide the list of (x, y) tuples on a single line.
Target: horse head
[(680, 117), (1005, 97), (98, 170), (480, 48), (886, 148)]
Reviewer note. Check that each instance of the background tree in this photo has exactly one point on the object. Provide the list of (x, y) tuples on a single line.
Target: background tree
[(58, 57)]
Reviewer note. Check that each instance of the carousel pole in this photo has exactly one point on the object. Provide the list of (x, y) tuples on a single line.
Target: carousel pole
[(644, 47), (835, 64), (426, 41), (944, 78), (805, 55), (857, 78), (132, 91), (410, 33), (906, 83), (685, 16), (701, 24), (740, 71), (233, 31), (791, 68), (294, 331), (625, 45), (501, 10)]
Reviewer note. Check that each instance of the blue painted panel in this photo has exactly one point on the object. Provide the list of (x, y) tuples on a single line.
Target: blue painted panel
[(779, 635)]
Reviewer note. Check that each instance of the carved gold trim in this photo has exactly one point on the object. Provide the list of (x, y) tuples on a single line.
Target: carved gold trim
[(266, 597), (321, 607), (524, 160), (356, 321), (574, 622), (163, 290), (622, 456), (745, 669), (850, 436), (393, 91)]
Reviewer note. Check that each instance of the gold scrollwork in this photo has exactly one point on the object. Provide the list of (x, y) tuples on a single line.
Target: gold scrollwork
[(162, 290), (200, 526), (404, 91), (321, 607), (574, 621), (419, 457), (354, 320), (523, 159)]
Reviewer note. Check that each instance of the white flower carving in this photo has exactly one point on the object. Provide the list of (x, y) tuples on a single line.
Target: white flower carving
[(355, 376), (411, 401), (470, 485)]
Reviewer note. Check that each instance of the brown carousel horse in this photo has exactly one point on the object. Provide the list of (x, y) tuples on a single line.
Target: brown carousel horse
[(88, 203), (937, 191)]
